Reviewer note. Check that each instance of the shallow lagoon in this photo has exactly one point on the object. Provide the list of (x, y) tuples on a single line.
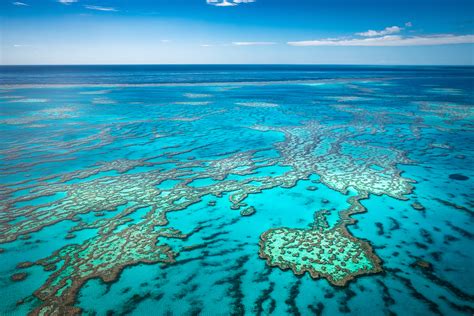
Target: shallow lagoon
[(138, 196)]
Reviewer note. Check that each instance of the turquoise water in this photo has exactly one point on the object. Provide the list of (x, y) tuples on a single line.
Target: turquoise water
[(221, 190)]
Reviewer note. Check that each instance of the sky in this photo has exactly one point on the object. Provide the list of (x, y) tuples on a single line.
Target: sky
[(406, 32)]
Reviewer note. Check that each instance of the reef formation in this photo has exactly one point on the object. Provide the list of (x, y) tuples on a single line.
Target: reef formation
[(130, 199), (332, 253), (322, 251)]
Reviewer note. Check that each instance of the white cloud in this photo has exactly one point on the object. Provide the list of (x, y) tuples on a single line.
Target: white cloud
[(392, 40), (67, 1), (386, 31), (20, 4), (98, 8), (224, 3), (252, 43), (227, 3)]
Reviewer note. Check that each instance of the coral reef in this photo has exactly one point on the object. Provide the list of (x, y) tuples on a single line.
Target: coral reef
[(116, 190), (322, 251)]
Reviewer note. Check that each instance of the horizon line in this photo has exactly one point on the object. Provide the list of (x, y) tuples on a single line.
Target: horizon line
[(240, 64)]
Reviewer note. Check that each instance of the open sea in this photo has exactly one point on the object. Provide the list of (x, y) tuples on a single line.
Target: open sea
[(236, 190)]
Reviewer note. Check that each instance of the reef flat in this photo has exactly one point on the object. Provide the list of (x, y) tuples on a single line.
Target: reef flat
[(174, 197), (332, 253)]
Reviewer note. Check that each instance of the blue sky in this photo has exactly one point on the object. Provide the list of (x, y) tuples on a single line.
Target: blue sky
[(237, 31)]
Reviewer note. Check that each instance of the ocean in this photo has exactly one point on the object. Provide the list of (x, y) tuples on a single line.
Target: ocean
[(236, 189)]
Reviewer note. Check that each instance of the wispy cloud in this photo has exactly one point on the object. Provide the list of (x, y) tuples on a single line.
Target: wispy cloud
[(252, 43), (386, 31), (392, 40), (20, 4), (67, 1), (227, 3), (99, 8)]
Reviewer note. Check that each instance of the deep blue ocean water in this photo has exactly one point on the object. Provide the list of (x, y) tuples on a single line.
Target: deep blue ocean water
[(173, 74), (180, 190)]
